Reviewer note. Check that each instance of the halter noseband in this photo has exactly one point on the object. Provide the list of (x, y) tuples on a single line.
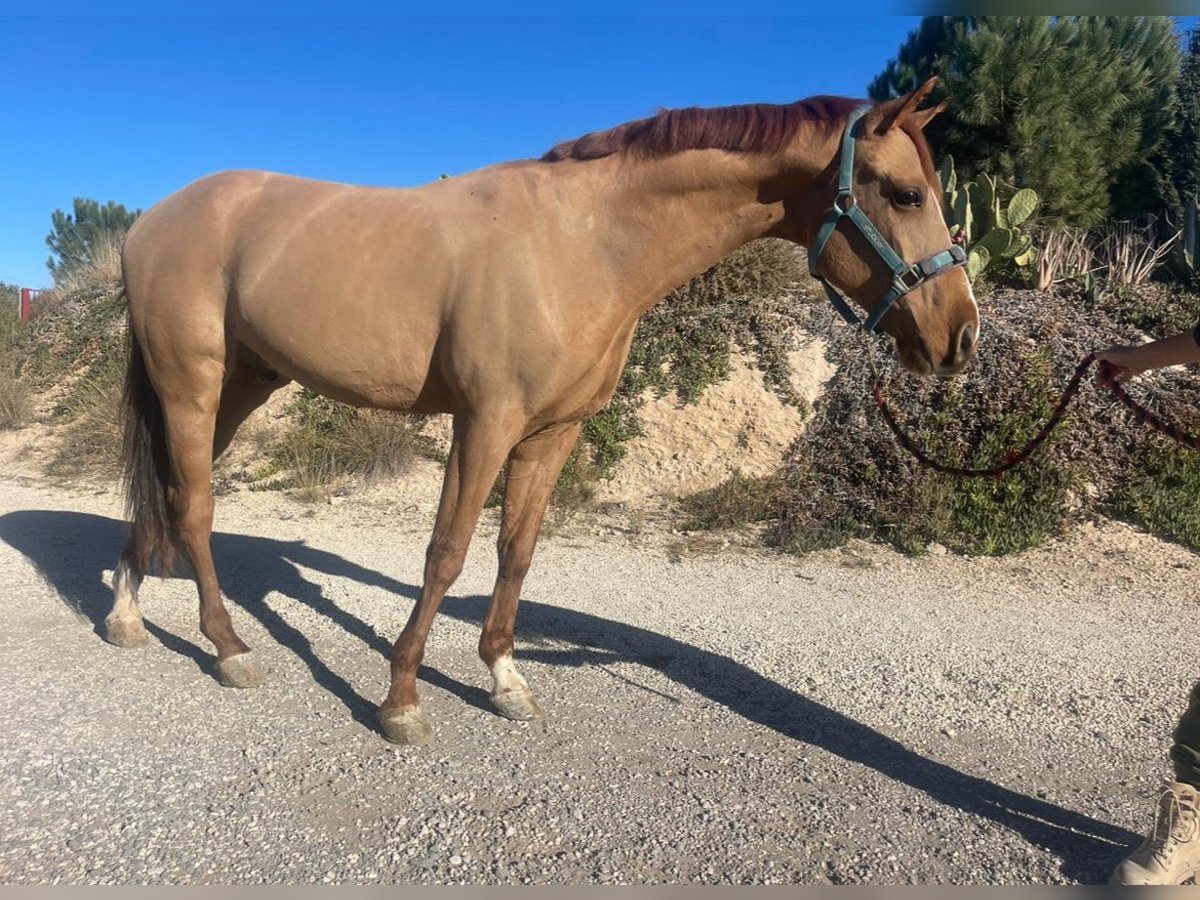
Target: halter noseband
[(905, 278)]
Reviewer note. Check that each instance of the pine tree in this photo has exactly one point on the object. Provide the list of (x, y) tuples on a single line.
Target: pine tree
[(72, 239), (1076, 107), (1149, 66), (1184, 143)]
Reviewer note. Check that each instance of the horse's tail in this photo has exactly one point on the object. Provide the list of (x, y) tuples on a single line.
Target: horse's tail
[(153, 538)]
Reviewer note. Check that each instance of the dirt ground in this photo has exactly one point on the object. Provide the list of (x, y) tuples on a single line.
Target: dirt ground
[(714, 714)]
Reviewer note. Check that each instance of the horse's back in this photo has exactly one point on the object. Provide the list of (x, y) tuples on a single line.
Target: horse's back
[(338, 286)]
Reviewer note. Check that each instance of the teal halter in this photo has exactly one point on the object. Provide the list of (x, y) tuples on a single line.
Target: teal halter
[(905, 278)]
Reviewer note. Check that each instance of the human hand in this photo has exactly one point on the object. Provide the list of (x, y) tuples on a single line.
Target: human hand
[(1123, 363)]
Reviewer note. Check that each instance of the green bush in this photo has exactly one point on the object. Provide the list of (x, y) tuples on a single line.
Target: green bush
[(75, 341), (747, 301), (72, 329), (847, 477), (1163, 492), (1158, 308), (911, 506)]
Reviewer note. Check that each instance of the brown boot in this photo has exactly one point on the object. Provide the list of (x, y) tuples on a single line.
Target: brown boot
[(1170, 854)]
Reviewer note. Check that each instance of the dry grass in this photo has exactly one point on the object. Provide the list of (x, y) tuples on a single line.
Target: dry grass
[(1066, 254), (103, 268), (1132, 251), (329, 444), (91, 437), (575, 490), (16, 394), (735, 503), (1119, 252), (74, 345)]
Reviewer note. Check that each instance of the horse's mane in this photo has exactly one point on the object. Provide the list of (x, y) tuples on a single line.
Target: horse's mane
[(751, 128)]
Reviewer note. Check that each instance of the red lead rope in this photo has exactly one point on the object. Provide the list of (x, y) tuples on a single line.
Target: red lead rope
[(1144, 417)]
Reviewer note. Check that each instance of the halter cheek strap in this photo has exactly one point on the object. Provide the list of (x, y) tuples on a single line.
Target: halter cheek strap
[(905, 277)]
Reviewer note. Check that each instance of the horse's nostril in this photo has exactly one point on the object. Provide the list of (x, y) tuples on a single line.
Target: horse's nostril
[(966, 340)]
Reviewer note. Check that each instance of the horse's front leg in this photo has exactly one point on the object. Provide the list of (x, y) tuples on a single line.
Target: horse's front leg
[(533, 471), (476, 454)]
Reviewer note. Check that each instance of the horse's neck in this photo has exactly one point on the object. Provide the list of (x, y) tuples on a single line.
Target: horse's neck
[(677, 216)]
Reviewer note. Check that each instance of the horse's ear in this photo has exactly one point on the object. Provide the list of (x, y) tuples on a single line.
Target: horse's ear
[(923, 117), (890, 113)]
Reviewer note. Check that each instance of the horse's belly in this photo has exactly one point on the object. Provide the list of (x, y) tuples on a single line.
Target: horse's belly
[(347, 350)]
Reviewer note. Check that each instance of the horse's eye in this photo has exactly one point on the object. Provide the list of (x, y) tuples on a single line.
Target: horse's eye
[(909, 197)]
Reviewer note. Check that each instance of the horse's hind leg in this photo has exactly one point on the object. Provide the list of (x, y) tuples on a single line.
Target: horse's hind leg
[(123, 626), (191, 424), (533, 470), (247, 386)]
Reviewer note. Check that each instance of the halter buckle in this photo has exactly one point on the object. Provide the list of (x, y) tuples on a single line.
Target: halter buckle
[(910, 278)]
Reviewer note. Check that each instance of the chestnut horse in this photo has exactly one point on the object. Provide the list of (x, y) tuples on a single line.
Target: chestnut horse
[(506, 297)]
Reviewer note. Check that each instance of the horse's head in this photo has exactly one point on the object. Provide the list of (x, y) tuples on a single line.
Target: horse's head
[(883, 240)]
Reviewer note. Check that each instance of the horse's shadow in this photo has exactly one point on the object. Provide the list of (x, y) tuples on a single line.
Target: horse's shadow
[(72, 549)]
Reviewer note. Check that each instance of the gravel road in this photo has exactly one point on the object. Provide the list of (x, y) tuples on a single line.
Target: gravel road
[(852, 716)]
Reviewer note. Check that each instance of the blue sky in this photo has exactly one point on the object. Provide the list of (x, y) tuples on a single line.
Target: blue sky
[(133, 109)]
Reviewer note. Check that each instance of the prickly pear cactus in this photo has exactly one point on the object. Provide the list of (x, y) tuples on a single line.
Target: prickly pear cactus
[(977, 261), (1021, 206), (1183, 259), (949, 177), (963, 215), (990, 228)]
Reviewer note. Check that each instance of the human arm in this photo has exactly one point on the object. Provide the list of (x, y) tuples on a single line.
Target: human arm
[(1175, 350)]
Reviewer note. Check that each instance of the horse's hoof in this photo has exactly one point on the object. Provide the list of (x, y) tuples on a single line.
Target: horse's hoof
[(126, 632), (406, 725), (520, 706), (240, 671)]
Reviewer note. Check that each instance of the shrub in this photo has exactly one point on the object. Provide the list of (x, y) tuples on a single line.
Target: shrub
[(1066, 256), (88, 237), (577, 483), (1158, 308), (747, 300), (846, 477), (328, 440), (16, 397), (739, 501), (99, 266), (71, 330), (91, 437), (574, 490), (1163, 493), (1131, 251), (16, 394)]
